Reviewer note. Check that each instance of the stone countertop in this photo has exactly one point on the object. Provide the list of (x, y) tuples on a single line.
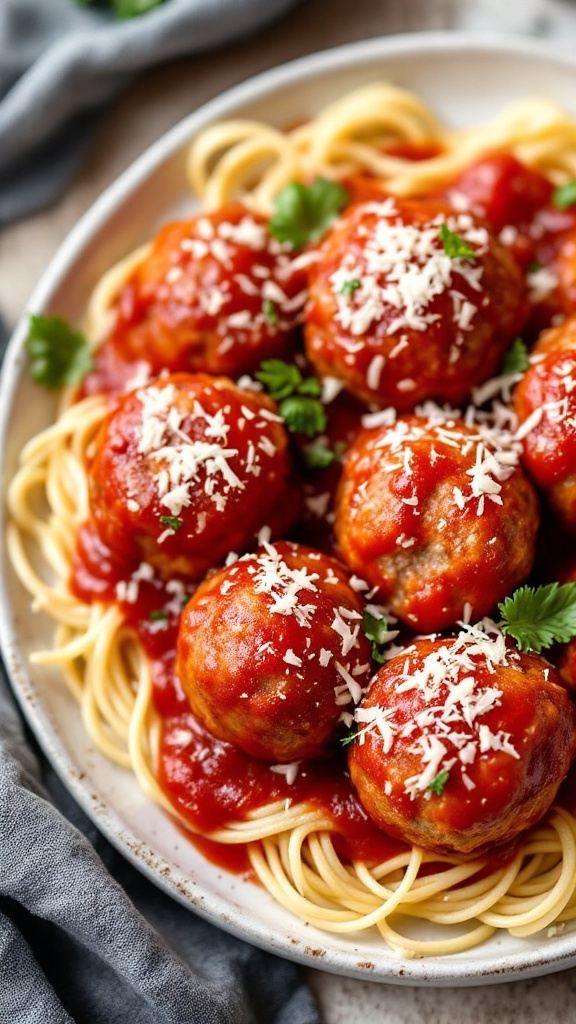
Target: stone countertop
[(160, 99)]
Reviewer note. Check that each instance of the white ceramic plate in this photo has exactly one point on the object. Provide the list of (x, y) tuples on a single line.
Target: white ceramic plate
[(466, 79)]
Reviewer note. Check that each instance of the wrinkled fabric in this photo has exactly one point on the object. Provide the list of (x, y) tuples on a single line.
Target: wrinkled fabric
[(61, 64), (85, 938)]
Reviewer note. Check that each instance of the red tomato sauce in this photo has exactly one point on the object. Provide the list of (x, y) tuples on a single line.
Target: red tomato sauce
[(210, 782)]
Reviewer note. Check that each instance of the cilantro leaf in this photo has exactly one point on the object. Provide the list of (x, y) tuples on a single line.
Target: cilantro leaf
[(303, 213), (173, 522), (453, 245), (279, 378), (318, 455), (564, 196), (303, 415), (58, 355), (538, 617), (516, 358), (438, 782)]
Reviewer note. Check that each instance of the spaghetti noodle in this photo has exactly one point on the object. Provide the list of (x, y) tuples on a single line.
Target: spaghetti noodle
[(388, 138)]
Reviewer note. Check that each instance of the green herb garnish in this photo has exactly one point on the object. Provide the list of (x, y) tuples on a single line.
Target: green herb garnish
[(516, 358), (158, 615), (173, 522), (279, 378), (454, 245), (270, 312), (351, 286), (346, 740), (123, 9), (538, 617), (58, 355), (297, 396), (318, 455), (376, 630), (303, 213), (303, 415), (438, 783), (564, 196)]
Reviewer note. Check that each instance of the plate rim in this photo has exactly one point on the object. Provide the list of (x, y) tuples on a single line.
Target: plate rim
[(433, 972)]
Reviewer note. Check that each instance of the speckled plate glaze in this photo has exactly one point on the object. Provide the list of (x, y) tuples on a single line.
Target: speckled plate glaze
[(466, 79)]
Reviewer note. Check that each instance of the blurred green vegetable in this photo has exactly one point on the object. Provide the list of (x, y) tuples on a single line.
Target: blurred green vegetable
[(123, 8)]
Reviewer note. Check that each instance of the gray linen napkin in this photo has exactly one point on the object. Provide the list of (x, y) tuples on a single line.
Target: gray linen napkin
[(85, 938), (61, 63)]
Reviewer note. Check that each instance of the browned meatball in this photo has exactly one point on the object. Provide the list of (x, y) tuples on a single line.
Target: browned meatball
[(462, 743), (271, 651), (545, 401), (437, 514), (397, 314), (216, 294), (187, 469)]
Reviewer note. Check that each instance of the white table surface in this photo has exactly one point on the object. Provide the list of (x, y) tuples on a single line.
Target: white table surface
[(140, 116)]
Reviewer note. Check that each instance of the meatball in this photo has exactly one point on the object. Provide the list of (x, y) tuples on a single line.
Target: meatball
[(410, 300), (437, 514), (505, 193), (187, 469), (545, 402), (216, 294), (271, 651), (462, 743)]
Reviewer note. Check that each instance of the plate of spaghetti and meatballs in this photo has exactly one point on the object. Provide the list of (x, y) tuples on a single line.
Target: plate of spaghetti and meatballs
[(290, 562)]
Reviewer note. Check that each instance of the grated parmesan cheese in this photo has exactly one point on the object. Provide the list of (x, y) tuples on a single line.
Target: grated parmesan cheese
[(451, 732), (402, 269)]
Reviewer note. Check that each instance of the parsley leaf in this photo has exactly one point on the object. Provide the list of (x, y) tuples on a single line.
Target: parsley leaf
[(538, 617), (376, 630), (303, 415), (564, 196), (58, 355), (310, 386), (299, 404), (516, 358), (438, 782), (318, 455), (454, 246), (173, 522), (303, 213), (279, 378)]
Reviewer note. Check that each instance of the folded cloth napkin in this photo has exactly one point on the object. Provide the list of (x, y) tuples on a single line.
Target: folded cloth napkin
[(85, 938), (60, 63)]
